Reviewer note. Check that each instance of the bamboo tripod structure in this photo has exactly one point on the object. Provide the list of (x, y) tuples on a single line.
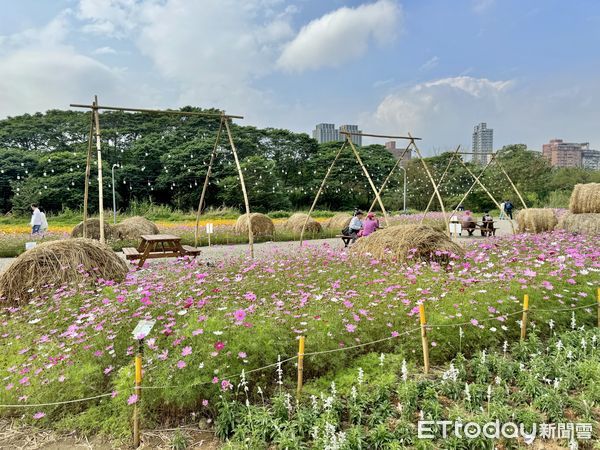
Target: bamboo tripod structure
[(398, 162), (95, 131), (440, 181)]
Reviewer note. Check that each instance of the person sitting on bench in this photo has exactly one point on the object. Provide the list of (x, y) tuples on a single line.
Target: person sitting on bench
[(468, 223), (355, 225), (370, 224), (487, 226)]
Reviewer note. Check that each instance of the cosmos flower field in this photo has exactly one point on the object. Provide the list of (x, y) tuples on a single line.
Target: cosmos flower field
[(213, 322)]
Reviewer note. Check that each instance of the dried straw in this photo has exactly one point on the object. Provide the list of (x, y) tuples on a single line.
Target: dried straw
[(410, 242), (339, 221), (585, 199), (134, 227), (536, 220), (54, 263), (296, 222), (93, 229), (261, 225), (580, 223)]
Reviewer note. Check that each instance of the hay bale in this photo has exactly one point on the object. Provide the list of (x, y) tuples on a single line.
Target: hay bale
[(339, 221), (54, 263), (296, 222), (408, 242), (536, 220), (134, 227), (580, 223), (585, 199), (261, 225), (93, 229)]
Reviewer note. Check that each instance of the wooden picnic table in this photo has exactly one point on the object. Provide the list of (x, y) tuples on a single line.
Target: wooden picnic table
[(159, 246)]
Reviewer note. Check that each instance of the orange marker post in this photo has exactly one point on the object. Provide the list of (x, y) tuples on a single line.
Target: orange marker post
[(424, 338), (138, 392)]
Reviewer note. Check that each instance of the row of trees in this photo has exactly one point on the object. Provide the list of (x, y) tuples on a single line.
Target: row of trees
[(163, 159)]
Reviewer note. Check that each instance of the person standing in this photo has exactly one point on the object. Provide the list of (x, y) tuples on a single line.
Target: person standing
[(355, 225), (508, 208), (36, 219), (44, 227)]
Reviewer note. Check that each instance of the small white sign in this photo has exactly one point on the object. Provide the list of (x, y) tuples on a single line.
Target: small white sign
[(143, 329), (209, 228), (30, 245)]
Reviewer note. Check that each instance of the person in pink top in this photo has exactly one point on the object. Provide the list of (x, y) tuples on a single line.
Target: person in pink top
[(370, 224)]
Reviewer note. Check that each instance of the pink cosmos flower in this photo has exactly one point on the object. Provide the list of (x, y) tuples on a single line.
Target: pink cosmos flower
[(242, 355), (186, 351), (181, 364), (239, 315), (250, 296), (39, 415), (350, 328), (475, 322), (225, 385), (219, 346), (133, 398), (204, 402)]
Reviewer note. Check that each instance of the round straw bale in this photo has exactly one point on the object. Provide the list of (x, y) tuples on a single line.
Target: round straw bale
[(54, 263), (339, 221), (536, 220), (580, 223), (134, 227), (261, 225), (408, 242), (93, 229), (585, 198), (296, 222)]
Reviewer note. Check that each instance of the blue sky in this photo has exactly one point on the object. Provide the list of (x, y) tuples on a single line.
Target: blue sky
[(432, 67)]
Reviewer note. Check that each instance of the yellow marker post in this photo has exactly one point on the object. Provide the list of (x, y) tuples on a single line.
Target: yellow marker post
[(138, 393), (524, 319), (598, 298), (300, 365), (424, 338)]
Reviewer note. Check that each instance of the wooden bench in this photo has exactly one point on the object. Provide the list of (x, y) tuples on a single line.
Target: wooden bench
[(131, 253), (191, 251), (345, 238), (159, 246)]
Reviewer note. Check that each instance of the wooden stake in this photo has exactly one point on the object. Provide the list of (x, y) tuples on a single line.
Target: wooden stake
[(424, 338), (366, 172), (138, 393), (300, 365), (314, 203), (398, 162), (511, 183), (524, 319), (205, 186), (100, 185), (87, 175), (435, 188), (241, 175), (440, 182)]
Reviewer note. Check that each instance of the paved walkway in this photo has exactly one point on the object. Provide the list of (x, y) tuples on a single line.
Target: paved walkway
[(222, 252)]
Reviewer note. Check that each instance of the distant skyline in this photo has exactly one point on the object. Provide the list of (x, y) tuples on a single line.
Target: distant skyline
[(434, 68)]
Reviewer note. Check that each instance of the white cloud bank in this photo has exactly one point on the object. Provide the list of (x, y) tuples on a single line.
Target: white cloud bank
[(341, 36)]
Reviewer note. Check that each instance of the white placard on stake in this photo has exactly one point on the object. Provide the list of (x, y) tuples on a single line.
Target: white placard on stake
[(209, 228), (143, 329)]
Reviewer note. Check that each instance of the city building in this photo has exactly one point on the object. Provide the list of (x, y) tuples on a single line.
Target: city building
[(590, 159), (398, 151), (565, 154), (326, 132), (483, 143), (357, 140)]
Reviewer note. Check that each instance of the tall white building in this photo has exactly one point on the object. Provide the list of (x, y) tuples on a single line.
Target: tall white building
[(325, 132), (483, 143), (356, 139)]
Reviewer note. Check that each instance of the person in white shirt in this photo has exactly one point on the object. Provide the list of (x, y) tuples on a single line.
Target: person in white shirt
[(355, 225), (36, 219)]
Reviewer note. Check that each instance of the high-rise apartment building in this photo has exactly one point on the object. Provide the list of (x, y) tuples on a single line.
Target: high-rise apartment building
[(397, 152), (565, 154), (483, 143), (356, 139), (326, 132), (590, 159)]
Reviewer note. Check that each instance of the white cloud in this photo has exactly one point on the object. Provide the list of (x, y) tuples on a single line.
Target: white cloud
[(481, 6), (341, 36), (476, 87), (105, 51), (430, 64)]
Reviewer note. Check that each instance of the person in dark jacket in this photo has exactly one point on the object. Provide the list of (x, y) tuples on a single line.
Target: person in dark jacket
[(508, 208)]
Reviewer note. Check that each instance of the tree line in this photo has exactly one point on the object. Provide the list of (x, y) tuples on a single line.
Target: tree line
[(163, 159)]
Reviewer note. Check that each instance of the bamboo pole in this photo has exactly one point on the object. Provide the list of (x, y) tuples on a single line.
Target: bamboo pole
[(512, 225), (524, 319), (424, 341), (138, 393), (205, 186), (440, 182), (241, 175), (598, 299), (468, 191), (87, 175), (366, 172), (435, 188), (511, 183), (314, 203), (300, 366), (158, 111), (354, 133), (100, 185), (398, 162)]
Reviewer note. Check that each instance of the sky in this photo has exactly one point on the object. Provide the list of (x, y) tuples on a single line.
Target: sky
[(434, 68)]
